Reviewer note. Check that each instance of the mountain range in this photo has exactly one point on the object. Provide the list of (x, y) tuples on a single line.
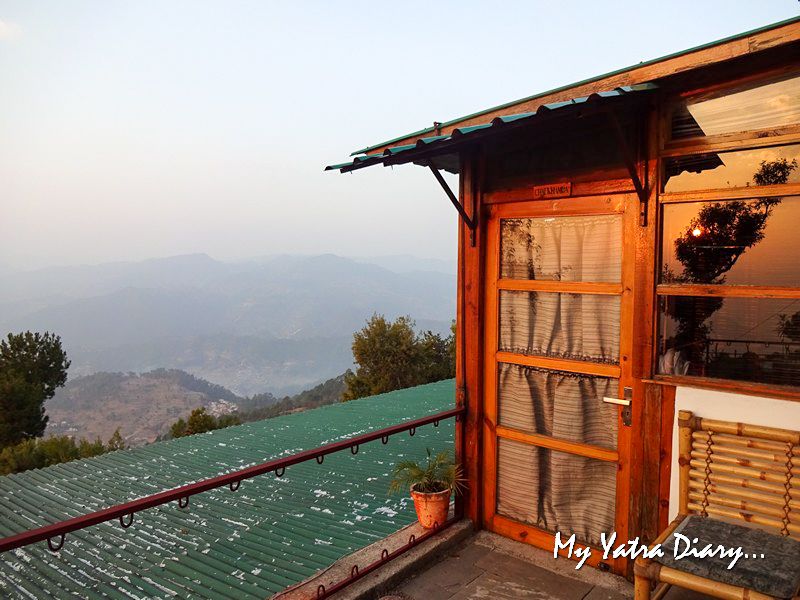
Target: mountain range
[(276, 324)]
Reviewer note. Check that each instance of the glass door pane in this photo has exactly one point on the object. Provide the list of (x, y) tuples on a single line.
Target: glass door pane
[(574, 326), (566, 406), (583, 248), (556, 491)]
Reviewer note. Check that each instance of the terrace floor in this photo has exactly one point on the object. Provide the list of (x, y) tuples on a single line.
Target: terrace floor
[(488, 566)]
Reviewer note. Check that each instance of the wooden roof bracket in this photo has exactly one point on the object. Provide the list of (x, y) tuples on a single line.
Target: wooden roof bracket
[(469, 221), (630, 165)]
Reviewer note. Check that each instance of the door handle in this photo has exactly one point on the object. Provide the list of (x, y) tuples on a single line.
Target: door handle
[(620, 401), (627, 413)]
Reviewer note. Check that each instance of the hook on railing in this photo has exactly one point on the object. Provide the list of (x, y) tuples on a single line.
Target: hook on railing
[(53, 547), (280, 471), (320, 591), (412, 539), (234, 485), (436, 423), (384, 439), (125, 524), (384, 554), (320, 459), (354, 571), (183, 502), (354, 449), (412, 431)]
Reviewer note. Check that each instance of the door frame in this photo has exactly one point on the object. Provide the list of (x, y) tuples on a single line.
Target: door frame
[(627, 205)]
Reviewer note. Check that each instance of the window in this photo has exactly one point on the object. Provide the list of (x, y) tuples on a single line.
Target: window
[(744, 168), (729, 303), (764, 106), (729, 276)]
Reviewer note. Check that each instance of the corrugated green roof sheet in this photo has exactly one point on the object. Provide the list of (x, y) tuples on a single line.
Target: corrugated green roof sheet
[(389, 155), (269, 534)]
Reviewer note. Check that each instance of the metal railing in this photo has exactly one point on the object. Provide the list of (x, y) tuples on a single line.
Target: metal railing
[(125, 512), (356, 573)]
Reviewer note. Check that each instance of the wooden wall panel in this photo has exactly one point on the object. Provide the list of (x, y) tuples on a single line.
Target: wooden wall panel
[(469, 341)]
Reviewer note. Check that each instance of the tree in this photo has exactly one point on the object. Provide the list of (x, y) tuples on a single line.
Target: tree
[(708, 249), (789, 327), (44, 452), (178, 429), (32, 367), (115, 442), (224, 421), (200, 422), (390, 356), (87, 449)]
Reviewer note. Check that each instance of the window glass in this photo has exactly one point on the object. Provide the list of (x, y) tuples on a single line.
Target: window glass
[(766, 106), (580, 248), (556, 491), (762, 166), (735, 242), (559, 325), (563, 405), (748, 339)]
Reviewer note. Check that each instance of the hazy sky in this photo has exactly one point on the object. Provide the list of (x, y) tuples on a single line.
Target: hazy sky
[(140, 129)]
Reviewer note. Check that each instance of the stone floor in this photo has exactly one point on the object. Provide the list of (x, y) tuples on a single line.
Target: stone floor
[(491, 567)]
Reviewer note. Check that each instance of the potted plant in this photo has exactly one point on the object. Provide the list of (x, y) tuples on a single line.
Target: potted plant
[(431, 484)]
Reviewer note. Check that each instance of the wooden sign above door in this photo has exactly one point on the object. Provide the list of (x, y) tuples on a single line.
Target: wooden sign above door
[(553, 190)]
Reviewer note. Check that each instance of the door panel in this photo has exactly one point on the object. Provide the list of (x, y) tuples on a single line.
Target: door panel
[(560, 325), (557, 341), (575, 248), (556, 491), (562, 405)]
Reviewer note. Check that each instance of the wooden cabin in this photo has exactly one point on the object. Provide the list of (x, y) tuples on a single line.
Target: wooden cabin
[(629, 246)]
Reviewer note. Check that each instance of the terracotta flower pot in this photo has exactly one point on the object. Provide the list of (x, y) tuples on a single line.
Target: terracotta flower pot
[(431, 508)]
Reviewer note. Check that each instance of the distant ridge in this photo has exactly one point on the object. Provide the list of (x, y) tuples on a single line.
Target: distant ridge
[(280, 324)]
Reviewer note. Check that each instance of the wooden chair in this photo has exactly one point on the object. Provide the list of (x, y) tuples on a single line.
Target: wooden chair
[(732, 473)]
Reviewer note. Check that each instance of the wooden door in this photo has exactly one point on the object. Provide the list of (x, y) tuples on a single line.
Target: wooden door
[(557, 340)]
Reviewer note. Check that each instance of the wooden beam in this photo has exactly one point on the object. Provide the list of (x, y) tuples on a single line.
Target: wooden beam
[(564, 287), (740, 193), (747, 388), (546, 441), (631, 164), (727, 291), (524, 191), (762, 138), (469, 341), (471, 222), (560, 364)]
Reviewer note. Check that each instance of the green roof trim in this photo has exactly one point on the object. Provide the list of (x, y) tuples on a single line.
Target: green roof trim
[(583, 82), (269, 534)]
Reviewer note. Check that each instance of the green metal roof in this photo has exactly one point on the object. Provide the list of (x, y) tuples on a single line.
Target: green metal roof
[(271, 533), (393, 155), (581, 82)]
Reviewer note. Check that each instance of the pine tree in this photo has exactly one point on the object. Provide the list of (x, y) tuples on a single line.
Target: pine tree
[(32, 366)]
